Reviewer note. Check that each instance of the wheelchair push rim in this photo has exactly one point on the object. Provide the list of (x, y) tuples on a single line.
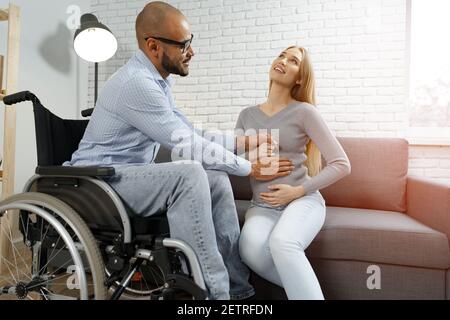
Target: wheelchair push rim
[(53, 259)]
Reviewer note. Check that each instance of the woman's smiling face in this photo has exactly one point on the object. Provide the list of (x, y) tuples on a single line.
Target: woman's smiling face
[(285, 68)]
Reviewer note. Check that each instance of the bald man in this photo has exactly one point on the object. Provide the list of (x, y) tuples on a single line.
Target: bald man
[(134, 115)]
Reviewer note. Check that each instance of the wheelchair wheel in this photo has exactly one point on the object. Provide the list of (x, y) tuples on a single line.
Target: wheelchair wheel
[(54, 257), (148, 279)]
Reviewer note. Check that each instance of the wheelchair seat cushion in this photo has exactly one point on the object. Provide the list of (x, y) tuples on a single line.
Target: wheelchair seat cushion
[(153, 225)]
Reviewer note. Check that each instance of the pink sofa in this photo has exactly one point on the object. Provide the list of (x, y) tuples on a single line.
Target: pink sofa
[(386, 234), (380, 222)]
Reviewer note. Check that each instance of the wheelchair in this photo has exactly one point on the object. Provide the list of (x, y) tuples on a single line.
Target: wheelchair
[(70, 236)]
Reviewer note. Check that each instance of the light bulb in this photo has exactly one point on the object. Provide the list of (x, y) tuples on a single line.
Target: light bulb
[(95, 45)]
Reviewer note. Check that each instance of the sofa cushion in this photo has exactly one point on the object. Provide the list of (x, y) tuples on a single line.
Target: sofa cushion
[(378, 177), (348, 280), (379, 237), (242, 189), (241, 208)]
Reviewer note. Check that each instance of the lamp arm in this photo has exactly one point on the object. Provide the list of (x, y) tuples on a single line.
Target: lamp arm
[(96, 84)]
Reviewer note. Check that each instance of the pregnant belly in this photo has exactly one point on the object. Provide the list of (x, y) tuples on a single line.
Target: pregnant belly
[(296, 178)]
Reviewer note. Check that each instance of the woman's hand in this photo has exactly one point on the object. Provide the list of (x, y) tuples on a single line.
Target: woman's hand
[(282, 194)]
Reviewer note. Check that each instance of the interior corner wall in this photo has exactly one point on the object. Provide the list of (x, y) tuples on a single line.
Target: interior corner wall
[(48, 67)]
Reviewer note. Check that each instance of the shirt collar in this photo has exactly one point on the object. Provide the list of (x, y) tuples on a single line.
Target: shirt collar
[(168, 82)]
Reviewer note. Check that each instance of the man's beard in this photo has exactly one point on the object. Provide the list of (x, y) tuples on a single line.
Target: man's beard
[(171, 67)]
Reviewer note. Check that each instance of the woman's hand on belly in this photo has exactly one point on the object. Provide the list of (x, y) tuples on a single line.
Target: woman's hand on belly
[(282, 194)]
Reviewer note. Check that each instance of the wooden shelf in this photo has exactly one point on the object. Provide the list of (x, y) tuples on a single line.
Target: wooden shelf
[(11, 66), (4, 15), (10, 220)]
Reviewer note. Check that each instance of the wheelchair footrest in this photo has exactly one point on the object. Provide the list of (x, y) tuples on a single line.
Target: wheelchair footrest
[(182, 282)]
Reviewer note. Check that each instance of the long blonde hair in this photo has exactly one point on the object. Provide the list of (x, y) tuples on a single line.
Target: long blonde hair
[(306, 92)]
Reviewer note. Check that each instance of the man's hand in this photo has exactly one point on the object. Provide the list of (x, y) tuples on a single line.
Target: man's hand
[(247, 143), (263, 151), (269, 168), (282, 194)]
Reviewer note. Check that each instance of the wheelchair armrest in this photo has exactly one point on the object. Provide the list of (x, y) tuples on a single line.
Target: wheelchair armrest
[(75, 171)]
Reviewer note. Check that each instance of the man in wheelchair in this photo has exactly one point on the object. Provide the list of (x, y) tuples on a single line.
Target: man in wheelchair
[(156, 228)]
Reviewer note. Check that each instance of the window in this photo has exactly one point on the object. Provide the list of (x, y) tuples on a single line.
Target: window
[(429, 78)]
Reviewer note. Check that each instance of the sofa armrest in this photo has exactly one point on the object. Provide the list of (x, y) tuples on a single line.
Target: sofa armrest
[(428, 201)]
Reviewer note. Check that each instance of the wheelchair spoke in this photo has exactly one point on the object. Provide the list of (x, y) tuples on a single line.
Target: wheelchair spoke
[(48, 281), (62, 291), (53, 249), (41, 292), (161, 273), (145, 280), (26, 238), (12, 275), (40, 249), (5, 280), (62, 266), (52, 280), (52, 257), (23, 226), (53, 296), (14, 248), (155, 276), (36, 257), (29, 278), (53, 276), (51, 253), (45, 234)]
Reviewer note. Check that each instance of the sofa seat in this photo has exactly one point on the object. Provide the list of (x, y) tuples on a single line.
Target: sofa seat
[(380, 237), (241, 208), (375, 236)]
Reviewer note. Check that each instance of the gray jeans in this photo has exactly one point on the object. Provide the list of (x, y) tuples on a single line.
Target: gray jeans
[(200, 211)]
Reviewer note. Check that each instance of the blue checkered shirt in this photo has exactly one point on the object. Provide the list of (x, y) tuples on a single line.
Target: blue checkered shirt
[(135, 114)]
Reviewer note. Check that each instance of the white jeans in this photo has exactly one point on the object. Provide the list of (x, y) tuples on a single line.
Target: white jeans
[(273, 244)]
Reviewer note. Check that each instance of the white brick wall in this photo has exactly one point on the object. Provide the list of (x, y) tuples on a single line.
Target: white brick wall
[(430, 161), (358, 49)]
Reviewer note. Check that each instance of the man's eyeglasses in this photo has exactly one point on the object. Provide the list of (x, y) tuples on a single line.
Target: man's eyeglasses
[(184, 45)]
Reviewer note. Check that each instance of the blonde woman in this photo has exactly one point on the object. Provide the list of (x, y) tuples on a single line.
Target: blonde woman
[(288, 212)]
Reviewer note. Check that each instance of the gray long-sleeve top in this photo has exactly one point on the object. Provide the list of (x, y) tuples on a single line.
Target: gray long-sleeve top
[(297, 123)]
